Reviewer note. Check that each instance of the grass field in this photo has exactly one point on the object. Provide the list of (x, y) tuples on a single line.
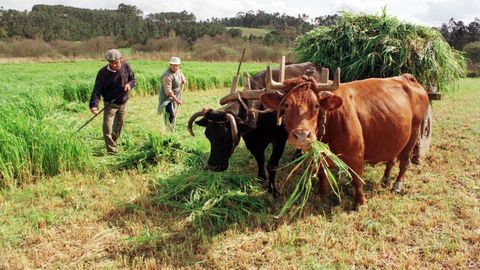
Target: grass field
[(108, 216), (257, 32)]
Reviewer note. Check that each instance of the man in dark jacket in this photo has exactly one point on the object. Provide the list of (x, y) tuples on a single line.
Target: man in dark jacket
[(113, 83)]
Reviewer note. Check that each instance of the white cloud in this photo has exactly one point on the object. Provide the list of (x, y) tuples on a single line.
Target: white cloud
[(426, 12)]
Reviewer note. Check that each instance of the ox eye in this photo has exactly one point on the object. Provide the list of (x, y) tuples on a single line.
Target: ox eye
[(285, 105), (317, 106)]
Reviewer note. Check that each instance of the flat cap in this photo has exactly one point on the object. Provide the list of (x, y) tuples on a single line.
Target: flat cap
[(113, 55)]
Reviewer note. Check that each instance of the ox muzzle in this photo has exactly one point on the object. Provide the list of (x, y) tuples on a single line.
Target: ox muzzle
[(301, 138)]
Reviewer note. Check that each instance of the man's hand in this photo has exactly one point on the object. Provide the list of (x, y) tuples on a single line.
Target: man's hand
[(127, 87), (178, 101), (94, 110)]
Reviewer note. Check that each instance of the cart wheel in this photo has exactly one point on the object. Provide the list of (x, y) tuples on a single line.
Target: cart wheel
[(423, 144)]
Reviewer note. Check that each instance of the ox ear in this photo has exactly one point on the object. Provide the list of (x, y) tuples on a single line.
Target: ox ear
[(328, 101), (271, 100), (202, 122)]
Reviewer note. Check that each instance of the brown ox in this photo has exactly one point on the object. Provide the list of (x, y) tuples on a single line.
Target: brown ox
[(372, 120)]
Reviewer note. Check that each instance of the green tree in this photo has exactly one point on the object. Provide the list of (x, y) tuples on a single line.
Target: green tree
[(235, 32), (472, 52)]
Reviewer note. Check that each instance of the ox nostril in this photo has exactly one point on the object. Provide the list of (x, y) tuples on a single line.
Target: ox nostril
[(301, 134), (297, 134)]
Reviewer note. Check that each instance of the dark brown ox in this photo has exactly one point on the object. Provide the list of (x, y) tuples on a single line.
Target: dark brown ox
[(372, 120), (291, 71)]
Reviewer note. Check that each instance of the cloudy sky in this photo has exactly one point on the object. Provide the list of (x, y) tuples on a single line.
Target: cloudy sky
[(425, 12)]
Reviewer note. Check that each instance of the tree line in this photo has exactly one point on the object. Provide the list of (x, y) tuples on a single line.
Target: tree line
[(129, 25)]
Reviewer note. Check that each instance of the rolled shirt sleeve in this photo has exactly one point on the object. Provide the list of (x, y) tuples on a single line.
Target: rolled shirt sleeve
[(167, 86)]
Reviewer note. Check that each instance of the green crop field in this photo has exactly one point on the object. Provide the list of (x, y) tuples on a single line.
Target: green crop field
[(65, 204), (257, 32)]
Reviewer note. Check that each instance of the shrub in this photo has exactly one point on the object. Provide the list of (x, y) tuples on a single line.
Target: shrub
[(169, 44), (94, 47), (473, 70), (26, 48), (224, 48), (235, 32), (217, 48)]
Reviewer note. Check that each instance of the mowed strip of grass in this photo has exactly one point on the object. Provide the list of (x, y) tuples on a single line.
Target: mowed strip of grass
[(110, 219)]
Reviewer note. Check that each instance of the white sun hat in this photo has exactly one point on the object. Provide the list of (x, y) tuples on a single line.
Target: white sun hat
[(175, 61)]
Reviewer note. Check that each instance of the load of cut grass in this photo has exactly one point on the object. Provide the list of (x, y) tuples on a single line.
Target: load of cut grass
[(212, 199), (159, 149), (313, 161), (365, 46)]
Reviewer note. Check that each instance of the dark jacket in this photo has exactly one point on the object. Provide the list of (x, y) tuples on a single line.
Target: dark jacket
[(110, 85)]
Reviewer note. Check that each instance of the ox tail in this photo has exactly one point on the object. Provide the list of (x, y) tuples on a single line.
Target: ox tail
[(409, 77)]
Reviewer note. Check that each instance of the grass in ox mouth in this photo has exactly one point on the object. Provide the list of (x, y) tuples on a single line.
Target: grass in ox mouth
[(314, 160)]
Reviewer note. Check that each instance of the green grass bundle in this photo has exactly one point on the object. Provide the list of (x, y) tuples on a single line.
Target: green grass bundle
[(208, 198), (365, 46), (159, 149), (313, 161)]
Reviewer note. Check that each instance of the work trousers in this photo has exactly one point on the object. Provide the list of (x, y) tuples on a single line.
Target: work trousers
[(170, 110), (113, 117)]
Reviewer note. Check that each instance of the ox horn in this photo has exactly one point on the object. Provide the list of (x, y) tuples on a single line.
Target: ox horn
[(270, 83), (233, 126), (330, 86), (192, 118)]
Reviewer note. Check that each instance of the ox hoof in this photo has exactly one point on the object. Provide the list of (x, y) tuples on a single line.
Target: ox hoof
[(324, 196), (362, 207), (360, 200), (262, 176), (385, 182), (415, 159), (397, 187), (274, 192), (264, 184)]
